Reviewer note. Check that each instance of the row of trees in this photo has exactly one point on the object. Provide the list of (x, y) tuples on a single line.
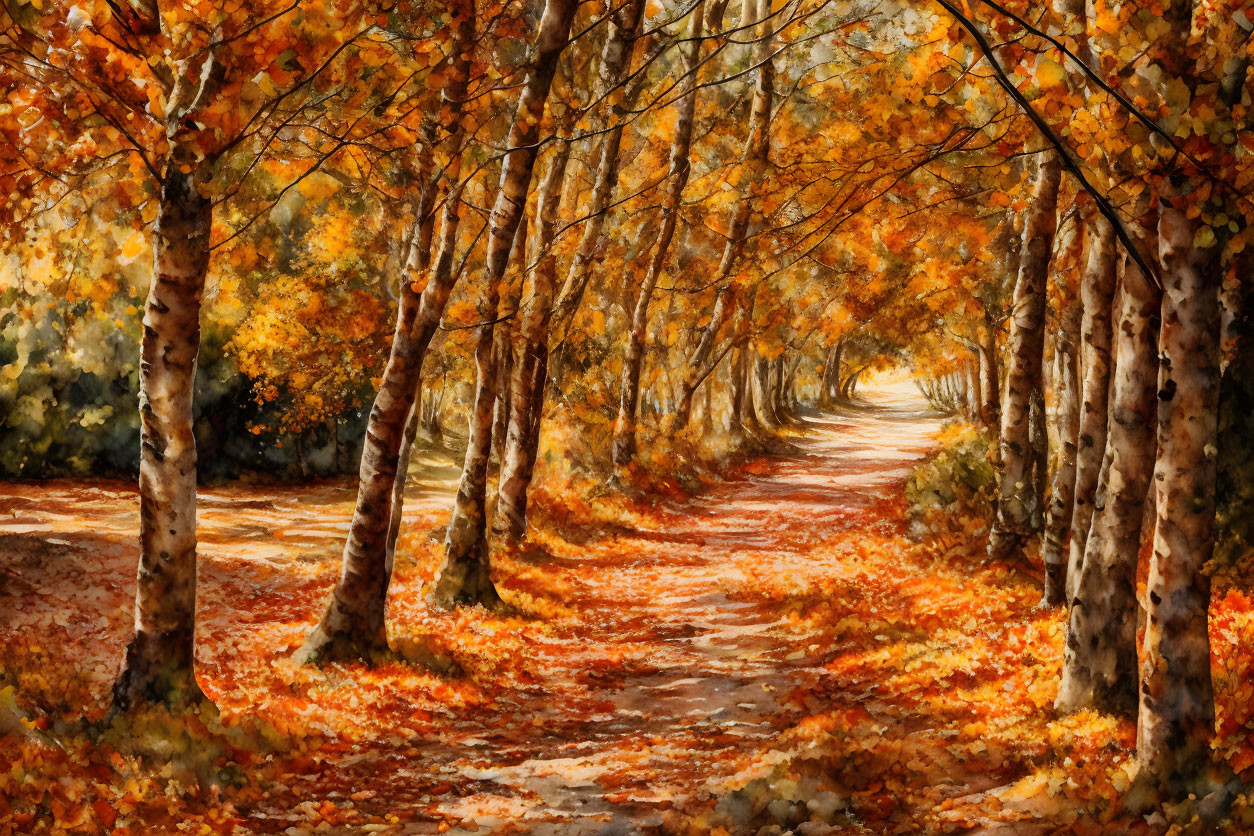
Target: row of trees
[(1148, 324), (808, 190)]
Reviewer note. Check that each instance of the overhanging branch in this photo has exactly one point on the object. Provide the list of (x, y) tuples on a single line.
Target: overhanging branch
[(1103, 205)]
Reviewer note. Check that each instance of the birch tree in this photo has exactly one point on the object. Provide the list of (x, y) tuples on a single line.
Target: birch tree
[(1017, 499), (354, 624), (679, 168), (1099, 666), (149, 84), (755, 158), (465, 577), (531, 376)]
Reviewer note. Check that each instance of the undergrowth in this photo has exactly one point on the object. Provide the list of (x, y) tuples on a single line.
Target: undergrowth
[(951, 492)]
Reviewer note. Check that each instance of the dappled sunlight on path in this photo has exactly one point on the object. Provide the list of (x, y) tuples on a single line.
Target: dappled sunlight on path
[(773, 651)]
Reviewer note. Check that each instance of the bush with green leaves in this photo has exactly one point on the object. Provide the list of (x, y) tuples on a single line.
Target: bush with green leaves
[(952, 490)]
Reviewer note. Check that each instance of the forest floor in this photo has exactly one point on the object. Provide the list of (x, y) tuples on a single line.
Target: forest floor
[(771, 652)]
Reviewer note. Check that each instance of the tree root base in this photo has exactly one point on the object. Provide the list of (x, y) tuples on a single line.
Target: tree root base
[(322, 647)]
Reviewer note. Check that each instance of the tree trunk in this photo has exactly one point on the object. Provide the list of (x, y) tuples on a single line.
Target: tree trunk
[(1061, 495), (1097, 294), (763, 394), (465, 577), (990, 380), (1099, 667), (743, 418), (528, 407), (158, 663), (707, 411), (725, 302), (503, 350), (830, 377), (625, 25), (847, 387), (755, 157), (624, 444), (353, 626), (1018, 501), (431, 420), (526, 390), (837, 365), (785, 402), (1040, 459), (971, 388), (1066, 417), (1234, 493), (419, 260), (735, 398), (402, 470), (1177, 708)]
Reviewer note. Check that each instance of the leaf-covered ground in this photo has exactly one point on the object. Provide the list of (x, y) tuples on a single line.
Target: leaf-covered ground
[(773, 652)]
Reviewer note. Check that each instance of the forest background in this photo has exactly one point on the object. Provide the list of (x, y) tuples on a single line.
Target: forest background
[(623, 243)]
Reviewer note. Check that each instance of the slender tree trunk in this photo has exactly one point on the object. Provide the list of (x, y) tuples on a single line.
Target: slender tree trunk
[(776, 388), (724, 304), (1057, 527), (402, 470), (157, 666), (972, 388), (465, 577), (779, 386), (624, 444), (707, 410), (785, 402), (735, 395), (503, 350), (1086, 429), (847, 387), (431, 421), (742, 395), (1177, 707), (990, 379), (834, 382), (1099, 667), (528, 407), (763, 396), (1040, 459), (1018, 501), (1066, 386), (526, 390), (704, 358), (756, 157), (531, 377), (419, 260), (625, 25), (830, 377), (1236, 400), (353, 626), (1097, 293)]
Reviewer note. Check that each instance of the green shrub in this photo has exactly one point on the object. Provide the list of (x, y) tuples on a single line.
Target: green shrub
[(952, 490)]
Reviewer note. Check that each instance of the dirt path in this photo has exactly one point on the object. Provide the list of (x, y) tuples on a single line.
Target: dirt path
[(709, 669), (672, 678), (673, 669)]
